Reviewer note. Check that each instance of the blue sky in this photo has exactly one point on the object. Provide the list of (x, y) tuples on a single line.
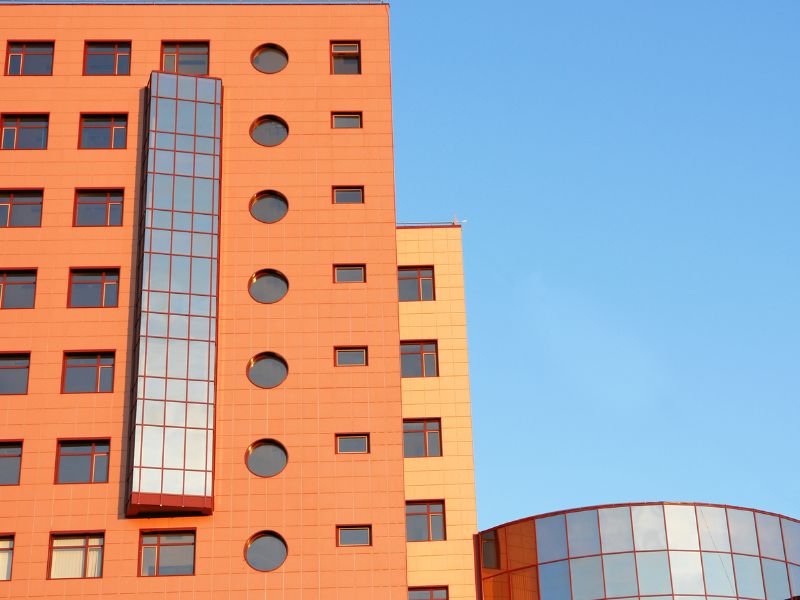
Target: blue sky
[(630, 176)]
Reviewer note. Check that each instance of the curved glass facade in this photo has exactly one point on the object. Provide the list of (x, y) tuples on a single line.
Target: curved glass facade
[(658, 551)]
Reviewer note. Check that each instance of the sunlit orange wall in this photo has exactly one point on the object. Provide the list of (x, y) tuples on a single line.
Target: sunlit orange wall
[(318, 489)]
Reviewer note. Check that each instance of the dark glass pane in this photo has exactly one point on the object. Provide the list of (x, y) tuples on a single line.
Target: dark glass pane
[(115, 214), (416, 528), (437, 527), (15, 64), (408, 290), (100, 64), (19, 295), (4, 210), (86, 294), (346, 65), (267, 370), (106, 380), (349, 274), (270, 131), (26, 215), (351, 357), (413, 425), (266, 552), (347, 121), (352, 444), (348, 196), (80, 379), (9, 470), (430, 365), (169, 63), (354, 537), (411, 365), (101, 468), (74, 469), (91, 215), (584, 535), (31, 138), (551, 538), (427, 289), (120, 134), (95, 137), (269, 207), (268, 286), (76, 447), (177, 538), (434, 447), (270, 59), (9, 135), (112, 294), (123, 64), (149, 539), (13, 380), (176, 560), (267, 458), (554, 581), (413, 444), (38, 64), (193, 64)]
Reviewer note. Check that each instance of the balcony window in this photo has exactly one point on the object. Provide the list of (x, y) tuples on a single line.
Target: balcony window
[(104, 131), (88, 372), (76, 556), (14, 373), (107, 58), (24, 132), (30, 58), (17, 289), (163, 553), (20, 208), (185, 58), (82, 461)]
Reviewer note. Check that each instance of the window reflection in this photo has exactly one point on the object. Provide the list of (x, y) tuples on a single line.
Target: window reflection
[(769, 536), (615, 529), (748, 576), (713, 525), (551, 538), (619, 571), (648, 527), (653, 571), (687, 573), (681, 527), (743, 531), (554, 580), (718, 570), (587, 578), (583, 533), (776, 579)]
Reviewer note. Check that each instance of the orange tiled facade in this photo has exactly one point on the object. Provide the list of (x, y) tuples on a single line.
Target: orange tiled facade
[(141, 215)]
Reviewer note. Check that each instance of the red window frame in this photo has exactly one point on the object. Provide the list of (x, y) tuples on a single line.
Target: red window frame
[(344, 436), (347, 188), (363, 349), (16, 122), (418, 348), (182, 50), (4, 283), (104, 277), (349, 115), (114, 122), (121, 48), (430, 427), (7, 548), (99, 365), (17, 197), (93, 454), (17, 445), (342, 53), (88, 196), (341, 528), (18, 356), (166, 533), (340, 269), (410, 273), (429, 593), (26, 52), (85, 546), (431, 509)]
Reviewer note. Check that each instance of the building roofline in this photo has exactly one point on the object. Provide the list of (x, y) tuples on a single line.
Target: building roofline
[(428, 225), (193, 2)]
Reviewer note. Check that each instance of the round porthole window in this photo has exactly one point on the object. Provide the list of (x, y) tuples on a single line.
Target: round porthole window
[(267, 370), (270, 58), (266, 458), (269, 206), (269, 130), (266, 551), (268, 286)]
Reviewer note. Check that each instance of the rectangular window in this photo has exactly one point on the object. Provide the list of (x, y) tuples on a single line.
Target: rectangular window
[(353, 535), (348, 195), (425, 521), (346, 120), (166, 553), (350, 357), (92, 288), (352, 443), (24, 132), (82, 461), (345, 58), (17, 289), (29, 58), (349, 273), (107, 58), (10, 462), (98, 208), (14, 373), (422, 437), (104, 131), (88, 372), (186, 58), (415, 283), (76, 556), (419, 359), (21, 208), (428, 593), (6, 556)]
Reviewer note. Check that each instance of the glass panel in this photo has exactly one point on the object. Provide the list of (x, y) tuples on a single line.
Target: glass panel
[(411, 366), (10, 468), (583, 533), (653, 571), (31, 138), (718, 569), (80, 379), (66, 563), (713, 525), (551, 538), (267, 370), (359, 536), (270, 59), (687, 573), (587, 578), (620, 573), (267, 458), (417, 528), (791, 540), (408, 290), (352, 444), (554, 580), (743, 531), (776, 579), (794, 578), (648, 527), (74, 469), (19, 295), (266, 552), (413, 444), (769, 536), (748, 576), (681, 527), (348, 196), (615, 529), (176, 560)]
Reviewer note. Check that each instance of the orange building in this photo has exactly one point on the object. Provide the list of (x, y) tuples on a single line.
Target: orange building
[(224, 371)]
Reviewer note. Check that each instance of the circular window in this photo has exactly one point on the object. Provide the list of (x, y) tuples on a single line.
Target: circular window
[(269, 130), (267, 370), (270, 58), (266, 458), (269, 206), (268, 286), (266, 551)]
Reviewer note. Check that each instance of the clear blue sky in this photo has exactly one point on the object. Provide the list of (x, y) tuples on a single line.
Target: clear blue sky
[(630, 173)]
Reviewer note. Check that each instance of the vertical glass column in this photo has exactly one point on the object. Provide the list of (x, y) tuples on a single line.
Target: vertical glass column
[(173, 437)]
